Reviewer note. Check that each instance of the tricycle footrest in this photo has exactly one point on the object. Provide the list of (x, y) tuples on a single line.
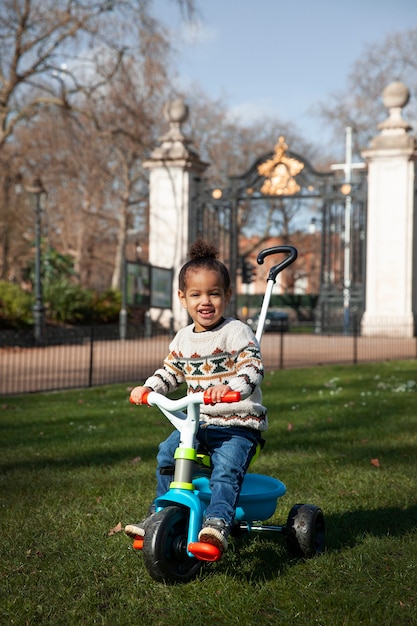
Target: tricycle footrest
[(204, 551), (138, 543)]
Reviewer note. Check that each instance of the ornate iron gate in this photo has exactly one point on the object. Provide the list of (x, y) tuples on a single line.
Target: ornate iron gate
[(278, 182)]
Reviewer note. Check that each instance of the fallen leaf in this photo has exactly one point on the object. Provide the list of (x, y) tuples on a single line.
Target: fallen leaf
[(375, 462), (116, 529)]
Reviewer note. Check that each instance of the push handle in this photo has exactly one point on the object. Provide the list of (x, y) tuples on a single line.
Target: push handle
[(229, 396), (276, 269)]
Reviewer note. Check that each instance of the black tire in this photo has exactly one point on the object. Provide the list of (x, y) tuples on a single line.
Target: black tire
[(305, 531), (165, 547)]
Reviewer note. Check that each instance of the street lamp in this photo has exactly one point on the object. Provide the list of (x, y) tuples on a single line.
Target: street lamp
[(37, 191)]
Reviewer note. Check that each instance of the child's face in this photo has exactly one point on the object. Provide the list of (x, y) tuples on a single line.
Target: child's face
[(204, 298)]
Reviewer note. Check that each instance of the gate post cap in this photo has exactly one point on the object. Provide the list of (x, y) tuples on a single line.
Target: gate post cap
[(176, 111), (395, 95)]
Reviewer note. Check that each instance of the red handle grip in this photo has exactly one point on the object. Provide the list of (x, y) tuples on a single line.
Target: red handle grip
[(144, 398), (229, 396)]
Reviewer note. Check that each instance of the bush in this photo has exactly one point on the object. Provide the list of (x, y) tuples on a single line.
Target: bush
[(106, 306), (65, 303), (15, 306), (68, 303)]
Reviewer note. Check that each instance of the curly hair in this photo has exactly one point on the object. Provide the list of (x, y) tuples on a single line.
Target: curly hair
[(203, 255)]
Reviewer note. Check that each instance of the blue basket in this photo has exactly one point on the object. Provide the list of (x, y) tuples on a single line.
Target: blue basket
[(257, 500)]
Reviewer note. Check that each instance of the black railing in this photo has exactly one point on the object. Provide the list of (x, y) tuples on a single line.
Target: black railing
[(71, 358)]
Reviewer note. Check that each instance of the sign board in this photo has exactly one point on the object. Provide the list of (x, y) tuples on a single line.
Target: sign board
[(148, 285)]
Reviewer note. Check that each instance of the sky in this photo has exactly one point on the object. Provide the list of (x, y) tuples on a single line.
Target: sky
[(279, 57)]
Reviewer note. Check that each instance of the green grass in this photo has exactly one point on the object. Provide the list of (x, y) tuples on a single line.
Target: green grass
[(74, 464)]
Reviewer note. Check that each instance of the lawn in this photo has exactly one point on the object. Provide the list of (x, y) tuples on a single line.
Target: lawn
[(75, 464)]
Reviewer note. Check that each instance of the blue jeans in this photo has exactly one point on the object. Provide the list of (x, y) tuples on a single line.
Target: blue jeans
[(231, 450)]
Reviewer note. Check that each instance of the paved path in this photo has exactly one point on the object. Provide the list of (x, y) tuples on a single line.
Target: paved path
[(59, 367)]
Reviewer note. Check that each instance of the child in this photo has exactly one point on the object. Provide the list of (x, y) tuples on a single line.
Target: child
[(216, 354)]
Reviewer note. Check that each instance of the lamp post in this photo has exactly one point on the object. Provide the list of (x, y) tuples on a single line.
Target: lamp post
[(38, 193), (123, 310)]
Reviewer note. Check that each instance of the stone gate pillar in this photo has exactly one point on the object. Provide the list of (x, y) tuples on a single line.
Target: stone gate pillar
[(391, 272), (175, 171)]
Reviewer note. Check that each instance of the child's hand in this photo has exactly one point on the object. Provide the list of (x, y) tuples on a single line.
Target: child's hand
[(216, 393), (137, 393)]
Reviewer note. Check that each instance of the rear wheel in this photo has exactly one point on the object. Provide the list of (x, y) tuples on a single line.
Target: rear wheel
[(305, 531), (165, 547)]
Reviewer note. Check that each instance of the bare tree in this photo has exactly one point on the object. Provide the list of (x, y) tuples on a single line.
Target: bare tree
[(360, 105), (126, 117), (74, 166), (79, 81), (49, 50), (229, 146)]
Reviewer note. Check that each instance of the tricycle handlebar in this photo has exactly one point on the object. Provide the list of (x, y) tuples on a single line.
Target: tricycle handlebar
[(151, 398), (185, 421)]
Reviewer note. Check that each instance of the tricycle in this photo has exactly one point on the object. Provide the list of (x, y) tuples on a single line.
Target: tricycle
[(170, 546)]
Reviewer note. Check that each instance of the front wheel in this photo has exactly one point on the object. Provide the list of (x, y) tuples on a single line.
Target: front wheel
[(165, 547), (305, 531)]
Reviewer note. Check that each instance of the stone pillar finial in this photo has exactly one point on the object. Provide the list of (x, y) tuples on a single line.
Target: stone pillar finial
[(175, 113), (174, 144), (395, 97)]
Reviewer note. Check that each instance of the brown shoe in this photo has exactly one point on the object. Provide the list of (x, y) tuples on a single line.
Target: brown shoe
[(138, 530), (135, 530), (215, 531)]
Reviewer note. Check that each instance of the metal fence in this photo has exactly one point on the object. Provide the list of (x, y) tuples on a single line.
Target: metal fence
[(97, 356)]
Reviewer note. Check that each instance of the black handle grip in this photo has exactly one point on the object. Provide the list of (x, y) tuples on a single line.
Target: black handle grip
[(276, 269)]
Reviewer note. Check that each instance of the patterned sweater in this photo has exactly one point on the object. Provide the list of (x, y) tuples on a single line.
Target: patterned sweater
[(228, 355)]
